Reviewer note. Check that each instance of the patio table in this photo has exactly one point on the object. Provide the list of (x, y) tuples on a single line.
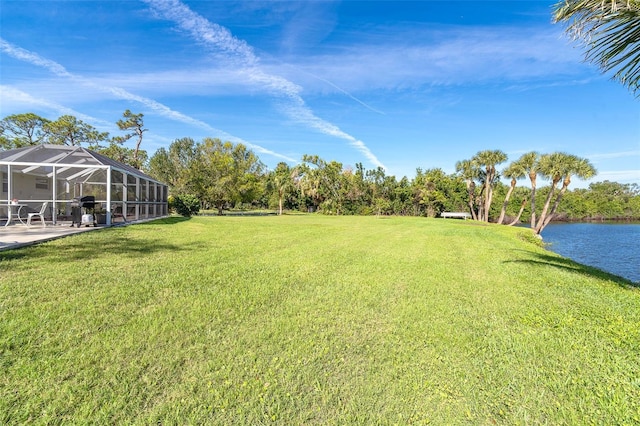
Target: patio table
[(14, 209)]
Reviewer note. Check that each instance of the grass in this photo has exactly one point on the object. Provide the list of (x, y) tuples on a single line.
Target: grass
[(313, 320)]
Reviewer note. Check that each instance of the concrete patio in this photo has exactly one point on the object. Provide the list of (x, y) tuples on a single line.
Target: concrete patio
[(18, 235)]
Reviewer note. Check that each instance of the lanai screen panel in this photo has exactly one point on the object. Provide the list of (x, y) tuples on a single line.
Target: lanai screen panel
[(58, 174)]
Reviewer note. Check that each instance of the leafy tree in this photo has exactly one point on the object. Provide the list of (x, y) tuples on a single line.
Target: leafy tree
[(68, 130), (601, 201), (177, 166), (609, 31), (20, 130), (383, 189), (403, 197), (432, 196), (162, 168), (322, 182), (357, 195), (250, 176), (613, 200), (173, 166), (226, 174), (434, 191)]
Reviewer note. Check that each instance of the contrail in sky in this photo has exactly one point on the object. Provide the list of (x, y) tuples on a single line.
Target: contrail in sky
[(220, 38), (60, 71), (9, 92), (335, 86)]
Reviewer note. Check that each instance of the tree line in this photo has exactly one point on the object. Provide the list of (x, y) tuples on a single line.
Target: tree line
[(212, 174), (216, 175)]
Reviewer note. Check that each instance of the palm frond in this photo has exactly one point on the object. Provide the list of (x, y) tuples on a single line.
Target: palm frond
[(610, 33)]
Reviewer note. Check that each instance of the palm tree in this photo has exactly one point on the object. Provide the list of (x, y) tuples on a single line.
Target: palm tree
[(468, 170), (609, 30), (489, 159), (515, 171), (530, 163), (552, 166), (560, 166), (283, 182), (517, 218), (575, 166)]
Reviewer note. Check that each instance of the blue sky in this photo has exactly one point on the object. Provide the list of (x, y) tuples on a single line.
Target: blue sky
[(394, 84)]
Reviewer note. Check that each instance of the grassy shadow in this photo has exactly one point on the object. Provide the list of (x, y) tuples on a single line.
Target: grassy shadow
[(100, 243), (569, 265), (171, 220), (78, 249), (234, 213)]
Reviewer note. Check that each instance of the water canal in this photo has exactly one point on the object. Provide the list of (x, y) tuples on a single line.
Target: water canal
[(612, 247)]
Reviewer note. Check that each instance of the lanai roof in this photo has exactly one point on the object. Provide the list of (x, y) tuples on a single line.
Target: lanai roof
[(39, 160)]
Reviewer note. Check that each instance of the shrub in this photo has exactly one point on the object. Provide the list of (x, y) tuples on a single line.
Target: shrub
[(185, 205), (530, 237)]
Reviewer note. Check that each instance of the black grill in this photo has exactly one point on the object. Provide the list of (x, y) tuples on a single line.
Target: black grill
[(88, 203)]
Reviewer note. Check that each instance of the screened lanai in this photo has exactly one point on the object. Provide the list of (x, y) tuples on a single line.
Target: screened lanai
[(59, 175)]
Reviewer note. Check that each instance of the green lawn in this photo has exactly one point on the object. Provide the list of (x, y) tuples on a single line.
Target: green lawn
[(313, 320)]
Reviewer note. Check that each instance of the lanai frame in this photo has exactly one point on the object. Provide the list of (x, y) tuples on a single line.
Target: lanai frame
[(57, 174)]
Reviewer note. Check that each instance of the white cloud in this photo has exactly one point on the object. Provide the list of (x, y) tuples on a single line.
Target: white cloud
[(397, 61), (216, 37), (121, 93), (405, 59)]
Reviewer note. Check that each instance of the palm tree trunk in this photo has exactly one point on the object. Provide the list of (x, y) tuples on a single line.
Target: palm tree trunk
[(506, 201), (565, 184), (491, 186), (471, 189), (480, 200), (524, 203), (533, 201), (545, 209), (485, 202), (488, 207), (473, 211)]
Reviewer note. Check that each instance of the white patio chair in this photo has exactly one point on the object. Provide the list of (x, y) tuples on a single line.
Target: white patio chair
[(39, 214)]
